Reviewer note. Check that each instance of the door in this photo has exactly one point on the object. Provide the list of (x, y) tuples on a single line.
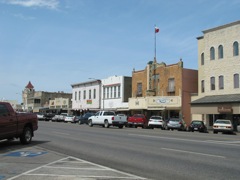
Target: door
[(8, 123)]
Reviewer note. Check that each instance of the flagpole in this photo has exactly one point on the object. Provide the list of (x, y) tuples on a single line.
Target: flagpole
[(155, 58)]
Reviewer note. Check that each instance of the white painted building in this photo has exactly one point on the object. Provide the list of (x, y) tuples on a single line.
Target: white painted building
[(86, 96), (116, 91)]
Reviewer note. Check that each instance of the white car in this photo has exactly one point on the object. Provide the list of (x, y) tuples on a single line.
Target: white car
[(70, 118), (222, 125), (157, 121)]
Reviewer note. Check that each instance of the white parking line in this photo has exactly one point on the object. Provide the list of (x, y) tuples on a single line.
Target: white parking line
[(191, 152), (60, 168)]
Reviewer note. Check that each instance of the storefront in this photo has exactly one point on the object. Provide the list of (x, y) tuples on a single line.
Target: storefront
[(210, 108), (165, 106)]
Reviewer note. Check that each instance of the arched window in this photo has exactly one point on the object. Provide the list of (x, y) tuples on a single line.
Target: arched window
[(202, 86), (220, 52), (202, 59), (236, 80), (212, 79), (221, 82), (235, 49), (212, 53)]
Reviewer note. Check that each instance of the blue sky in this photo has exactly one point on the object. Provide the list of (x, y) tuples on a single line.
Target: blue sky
[(56, 43)]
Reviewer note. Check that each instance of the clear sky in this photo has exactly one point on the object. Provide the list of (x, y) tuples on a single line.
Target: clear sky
[(56, 43)]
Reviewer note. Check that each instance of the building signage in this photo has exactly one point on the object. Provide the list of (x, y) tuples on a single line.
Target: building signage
[(89, 101), (224, 109), (163, 100)]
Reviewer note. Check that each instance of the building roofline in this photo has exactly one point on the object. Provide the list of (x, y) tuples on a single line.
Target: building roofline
[(221, 27)]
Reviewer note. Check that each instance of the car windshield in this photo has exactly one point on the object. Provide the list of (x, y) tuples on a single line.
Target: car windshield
[(222, 122), (156, 117), (196, 122), (174, 120), (139, 115)]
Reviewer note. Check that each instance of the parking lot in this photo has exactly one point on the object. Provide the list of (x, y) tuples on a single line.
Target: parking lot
[(37, 163)]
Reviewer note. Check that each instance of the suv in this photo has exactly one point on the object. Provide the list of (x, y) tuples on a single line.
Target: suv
[(176, 123)]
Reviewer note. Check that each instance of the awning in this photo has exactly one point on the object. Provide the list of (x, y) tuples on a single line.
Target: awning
[(229, 98), (156, 108)]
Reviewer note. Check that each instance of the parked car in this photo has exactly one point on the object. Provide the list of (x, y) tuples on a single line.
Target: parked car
[(48, 116), (222, 125), (157, 121), (176, 123), (138, 120), (62, 117), (70, 118), (40, 116), (84, 118), (106, 119), (56, 118), (197, 125)]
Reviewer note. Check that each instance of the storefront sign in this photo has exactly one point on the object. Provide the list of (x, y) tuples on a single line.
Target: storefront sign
[(224, 109), (89, 101), (163, 100)]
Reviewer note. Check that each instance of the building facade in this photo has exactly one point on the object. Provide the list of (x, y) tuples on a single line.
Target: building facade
[(116, 91), (36, 101), (164, 90), (111, 93), (219, 69), (86, 96)]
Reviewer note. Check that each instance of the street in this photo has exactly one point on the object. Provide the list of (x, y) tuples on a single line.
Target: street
[(147, 153)]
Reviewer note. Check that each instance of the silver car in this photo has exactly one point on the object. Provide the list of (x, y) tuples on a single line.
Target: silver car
[(176, 123)]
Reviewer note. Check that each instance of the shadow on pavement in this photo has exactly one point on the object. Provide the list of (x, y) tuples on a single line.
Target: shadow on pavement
[(7, 146)]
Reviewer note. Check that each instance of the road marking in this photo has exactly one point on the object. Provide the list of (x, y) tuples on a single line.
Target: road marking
[(106, 172), (230, 143), (65, 134), (191, 152)]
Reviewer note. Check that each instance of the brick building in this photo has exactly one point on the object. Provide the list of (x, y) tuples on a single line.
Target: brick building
[(162, 89)]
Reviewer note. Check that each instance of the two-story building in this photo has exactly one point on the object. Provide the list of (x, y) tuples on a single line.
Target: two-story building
[(86, 96), (218, 72), (36, 101), (164, 90), (115, 93), (111, 93)]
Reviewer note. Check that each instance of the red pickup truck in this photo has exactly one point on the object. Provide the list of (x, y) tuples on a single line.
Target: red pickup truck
[(16, 125), (138, 120)]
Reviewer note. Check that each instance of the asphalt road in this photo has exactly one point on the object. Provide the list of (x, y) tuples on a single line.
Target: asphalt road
[(153, 154)]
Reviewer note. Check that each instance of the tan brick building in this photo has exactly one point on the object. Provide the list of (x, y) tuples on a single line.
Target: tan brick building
[(162, 89), (219, 70), (37, 101)]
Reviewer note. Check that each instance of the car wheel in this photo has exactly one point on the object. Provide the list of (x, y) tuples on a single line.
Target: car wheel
[(215, 132), (26, 136), (90, 123), (106, 124), (120, 126)]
